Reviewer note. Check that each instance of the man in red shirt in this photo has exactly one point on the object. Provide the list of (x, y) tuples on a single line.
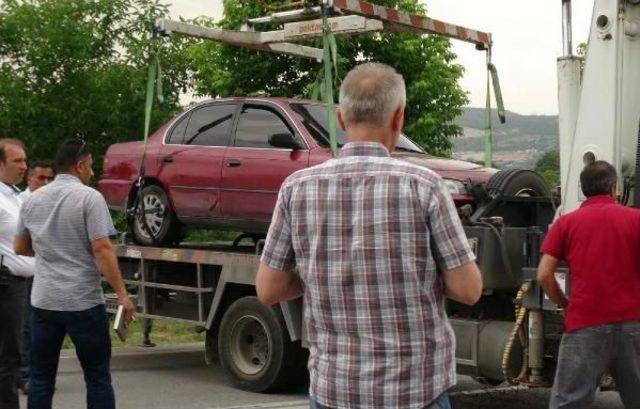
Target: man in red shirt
[(601, 244)]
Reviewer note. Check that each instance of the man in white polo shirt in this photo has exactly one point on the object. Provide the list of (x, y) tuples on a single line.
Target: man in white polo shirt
[(14, 273)]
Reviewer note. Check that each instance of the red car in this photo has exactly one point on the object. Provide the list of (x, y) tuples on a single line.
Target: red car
[(220, 164)]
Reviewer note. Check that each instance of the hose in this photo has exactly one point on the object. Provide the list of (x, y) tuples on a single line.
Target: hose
[(521, 314), (503, 247), (626, 191)]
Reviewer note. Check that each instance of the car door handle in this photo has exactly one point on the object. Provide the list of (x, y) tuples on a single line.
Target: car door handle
[(232, 163), (167, 159)]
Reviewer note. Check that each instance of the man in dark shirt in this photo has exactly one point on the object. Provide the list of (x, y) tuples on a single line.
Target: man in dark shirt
[(601, 244)]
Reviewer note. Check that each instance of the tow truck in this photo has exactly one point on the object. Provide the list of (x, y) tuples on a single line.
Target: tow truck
[(513, 333)]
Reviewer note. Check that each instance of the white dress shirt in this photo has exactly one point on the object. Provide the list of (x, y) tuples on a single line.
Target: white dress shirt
[(24, 195), (9, 212)]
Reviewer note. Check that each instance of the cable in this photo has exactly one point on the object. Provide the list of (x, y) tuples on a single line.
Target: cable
[(521, 314)]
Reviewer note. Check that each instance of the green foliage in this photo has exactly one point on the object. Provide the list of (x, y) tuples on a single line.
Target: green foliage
[(119, 221), (427, 64), (582, 53), (164, 332), (192, 235), (549, 167), (549, 161), (78, 68), (209, 236), (582, 49), (552, 177)]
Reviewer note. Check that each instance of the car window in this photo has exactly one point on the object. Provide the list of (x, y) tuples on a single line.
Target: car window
[(210, 125), (177, 133), (314, 118), (256, 125)]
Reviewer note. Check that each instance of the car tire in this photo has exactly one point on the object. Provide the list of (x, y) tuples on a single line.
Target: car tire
[(255, 350), (164, 225), (518, 182)]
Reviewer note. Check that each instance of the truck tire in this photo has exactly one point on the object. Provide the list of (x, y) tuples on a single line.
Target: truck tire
[(164, 224), (255, 350), (517, 182)]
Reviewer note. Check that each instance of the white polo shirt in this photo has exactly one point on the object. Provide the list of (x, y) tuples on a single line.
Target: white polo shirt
[(9, 212)]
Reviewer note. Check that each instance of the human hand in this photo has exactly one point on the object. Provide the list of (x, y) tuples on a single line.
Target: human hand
[(561, 311), (129, 309)]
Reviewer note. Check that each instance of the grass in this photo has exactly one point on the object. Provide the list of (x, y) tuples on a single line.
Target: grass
[(193, 235), (164, 332), (208, 236)]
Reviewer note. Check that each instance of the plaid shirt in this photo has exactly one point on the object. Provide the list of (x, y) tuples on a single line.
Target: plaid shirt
[(368, 234)]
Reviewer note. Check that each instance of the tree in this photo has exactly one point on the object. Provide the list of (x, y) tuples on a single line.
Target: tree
[(79, 68), (549, 167), (426, 62), (582, 53)]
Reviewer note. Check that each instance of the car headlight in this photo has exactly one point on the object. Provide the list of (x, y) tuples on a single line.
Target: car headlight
[(455, 187)]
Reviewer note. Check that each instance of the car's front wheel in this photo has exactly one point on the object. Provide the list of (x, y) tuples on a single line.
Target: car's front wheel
[(154, 222)]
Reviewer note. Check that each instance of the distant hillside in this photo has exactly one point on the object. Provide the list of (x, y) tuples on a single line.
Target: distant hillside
[(519, 142)]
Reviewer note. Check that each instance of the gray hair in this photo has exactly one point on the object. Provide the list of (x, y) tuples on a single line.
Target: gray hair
[(370, 93)]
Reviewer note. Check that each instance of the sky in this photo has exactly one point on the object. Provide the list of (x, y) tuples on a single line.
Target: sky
[(527, 38)]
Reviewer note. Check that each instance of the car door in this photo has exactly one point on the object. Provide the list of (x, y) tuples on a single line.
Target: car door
[(191, 161), (253, 169)]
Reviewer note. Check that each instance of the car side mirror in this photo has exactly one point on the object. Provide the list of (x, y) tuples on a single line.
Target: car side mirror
[(284, 141)]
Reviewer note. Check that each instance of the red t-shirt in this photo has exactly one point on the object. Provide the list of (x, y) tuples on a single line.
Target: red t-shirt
[(601, 245)]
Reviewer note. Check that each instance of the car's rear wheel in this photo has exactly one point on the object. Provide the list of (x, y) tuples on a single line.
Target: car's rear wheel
[(162, 226), (255, 350)]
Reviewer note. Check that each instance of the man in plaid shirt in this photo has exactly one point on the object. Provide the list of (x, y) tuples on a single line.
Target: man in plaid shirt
[(375, 245)]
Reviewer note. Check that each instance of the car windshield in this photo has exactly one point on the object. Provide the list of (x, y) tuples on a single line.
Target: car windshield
[(314, 118)]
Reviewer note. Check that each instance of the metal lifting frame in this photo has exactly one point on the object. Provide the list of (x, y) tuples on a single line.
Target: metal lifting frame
[(349, 17)]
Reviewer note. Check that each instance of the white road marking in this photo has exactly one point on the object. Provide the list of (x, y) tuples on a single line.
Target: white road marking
[(299, 404)]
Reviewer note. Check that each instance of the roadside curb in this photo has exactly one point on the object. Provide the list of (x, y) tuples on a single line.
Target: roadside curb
[(130, 358)]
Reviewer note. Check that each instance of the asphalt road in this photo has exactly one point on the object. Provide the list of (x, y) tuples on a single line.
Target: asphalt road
[(172, 378)]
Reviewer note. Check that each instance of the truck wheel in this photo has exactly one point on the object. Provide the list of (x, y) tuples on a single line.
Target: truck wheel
[(255, 350), (161, 219), (518, 182), (521, 183)]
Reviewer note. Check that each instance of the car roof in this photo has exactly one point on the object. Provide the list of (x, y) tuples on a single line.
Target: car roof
[(277, 100)]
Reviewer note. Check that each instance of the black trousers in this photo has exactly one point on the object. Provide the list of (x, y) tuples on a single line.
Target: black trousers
[(25, 361), (12, 307)]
